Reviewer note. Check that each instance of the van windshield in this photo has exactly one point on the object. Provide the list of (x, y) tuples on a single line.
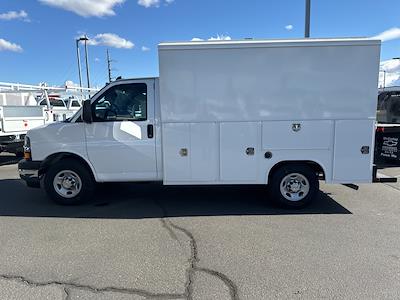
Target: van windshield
[(388, 108)]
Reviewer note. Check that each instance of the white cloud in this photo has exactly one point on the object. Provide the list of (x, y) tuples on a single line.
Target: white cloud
[(8, 46), (145, 49), (387, 35), (154, 3), (149, 3), (14, 15), (70, 83), (97, 59), (220, 38), (289, 27), (110, 40), (390, 73), (86, 8), (217, 38), (391, 65)]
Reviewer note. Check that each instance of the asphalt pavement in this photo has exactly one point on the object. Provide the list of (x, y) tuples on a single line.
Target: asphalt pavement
[(147, 241)]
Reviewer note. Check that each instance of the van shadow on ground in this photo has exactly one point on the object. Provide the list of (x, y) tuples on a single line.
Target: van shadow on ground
[(152, 200)]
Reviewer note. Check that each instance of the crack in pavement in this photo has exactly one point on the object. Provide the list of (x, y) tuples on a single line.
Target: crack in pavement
[(66, 291), (190, 272), (67, 286), (225, 279), (193, 260)]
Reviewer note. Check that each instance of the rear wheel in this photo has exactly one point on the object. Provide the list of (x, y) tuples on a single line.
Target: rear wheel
[(68, 182), (294, 185)]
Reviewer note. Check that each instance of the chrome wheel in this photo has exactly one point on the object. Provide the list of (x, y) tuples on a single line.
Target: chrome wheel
[(67, 184), (294, 187)]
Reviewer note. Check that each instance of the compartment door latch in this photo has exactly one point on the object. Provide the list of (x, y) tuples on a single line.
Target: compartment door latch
[(183, 152), (250, 151), (364, 150)]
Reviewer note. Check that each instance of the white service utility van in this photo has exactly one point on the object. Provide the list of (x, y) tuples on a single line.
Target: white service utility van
[(280, 112)]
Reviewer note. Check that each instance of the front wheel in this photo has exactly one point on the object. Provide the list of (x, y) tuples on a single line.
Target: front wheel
[(294, 185), (68, 182)]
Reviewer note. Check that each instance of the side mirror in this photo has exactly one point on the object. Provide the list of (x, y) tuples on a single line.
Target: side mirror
[(87, 111)]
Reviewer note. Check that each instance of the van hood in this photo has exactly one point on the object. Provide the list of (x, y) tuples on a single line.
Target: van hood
[(57, 133)]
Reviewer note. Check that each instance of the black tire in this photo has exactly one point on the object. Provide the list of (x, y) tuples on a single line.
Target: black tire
[(87, 182), (288, 172)]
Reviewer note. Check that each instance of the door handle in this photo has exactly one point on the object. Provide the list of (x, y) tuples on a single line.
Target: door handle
[(150, 131)]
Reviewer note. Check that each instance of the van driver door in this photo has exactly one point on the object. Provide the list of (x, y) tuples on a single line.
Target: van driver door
[(120, 140)]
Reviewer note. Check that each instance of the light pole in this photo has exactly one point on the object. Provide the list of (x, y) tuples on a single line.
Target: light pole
[(84, 39), (78, 54), (384, 78), (307, 20), (87, 62)]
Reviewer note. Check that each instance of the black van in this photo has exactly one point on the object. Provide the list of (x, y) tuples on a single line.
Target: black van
[(387, 138)]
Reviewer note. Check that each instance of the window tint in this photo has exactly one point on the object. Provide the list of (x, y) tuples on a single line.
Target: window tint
[(389, 108), (53, 102), (125, 102), (57, 103), (75, 103)]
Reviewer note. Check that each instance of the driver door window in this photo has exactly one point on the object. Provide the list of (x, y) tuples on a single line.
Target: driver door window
[(125, 102)]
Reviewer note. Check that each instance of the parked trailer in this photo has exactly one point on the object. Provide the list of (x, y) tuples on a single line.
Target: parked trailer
[(278, 112)]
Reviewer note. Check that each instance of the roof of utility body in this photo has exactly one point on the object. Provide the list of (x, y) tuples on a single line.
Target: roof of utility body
[(270, 43), (133, 78)]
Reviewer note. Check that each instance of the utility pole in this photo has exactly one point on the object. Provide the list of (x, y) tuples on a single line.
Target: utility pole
[(307, 20), (109, 66)]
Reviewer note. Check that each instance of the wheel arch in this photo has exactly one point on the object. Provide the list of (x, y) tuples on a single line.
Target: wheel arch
[(55, 157), (315, 165)]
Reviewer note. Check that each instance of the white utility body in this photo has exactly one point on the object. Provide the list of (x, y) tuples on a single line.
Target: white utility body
[(15, 121), (224, 112)]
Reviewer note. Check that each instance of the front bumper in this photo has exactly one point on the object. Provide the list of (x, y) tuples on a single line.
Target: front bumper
[(29, 172)]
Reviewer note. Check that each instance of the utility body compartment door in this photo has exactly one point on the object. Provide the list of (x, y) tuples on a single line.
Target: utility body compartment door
[(239, 144), (190, 153), (353, 154), (211, 152)]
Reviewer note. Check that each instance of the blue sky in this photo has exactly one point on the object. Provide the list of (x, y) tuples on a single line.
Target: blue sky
[(37, 37)]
